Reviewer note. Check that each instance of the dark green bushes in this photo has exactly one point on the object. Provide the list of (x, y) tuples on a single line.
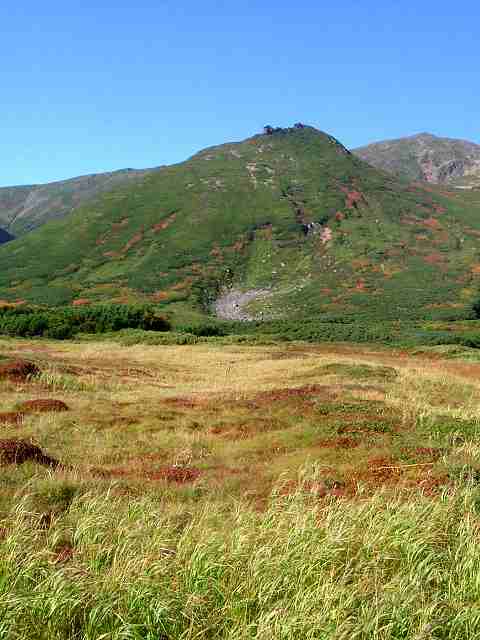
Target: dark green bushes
[(205, 329), (338, 329), (62, 323)]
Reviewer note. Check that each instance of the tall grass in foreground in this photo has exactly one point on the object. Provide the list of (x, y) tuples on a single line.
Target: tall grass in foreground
[(381, 568)]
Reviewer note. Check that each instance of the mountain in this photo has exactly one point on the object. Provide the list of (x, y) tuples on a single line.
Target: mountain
[(5, 236), (25, 208), (426, 157), (284, 224)]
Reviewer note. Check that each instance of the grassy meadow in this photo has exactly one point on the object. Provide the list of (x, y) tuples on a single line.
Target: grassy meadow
[(222, 491)]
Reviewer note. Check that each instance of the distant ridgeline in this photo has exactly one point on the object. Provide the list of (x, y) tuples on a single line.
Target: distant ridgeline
[(289, 216)]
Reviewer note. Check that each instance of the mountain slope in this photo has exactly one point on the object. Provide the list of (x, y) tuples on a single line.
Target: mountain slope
[(425, 157), (25, 208), (292, 215)]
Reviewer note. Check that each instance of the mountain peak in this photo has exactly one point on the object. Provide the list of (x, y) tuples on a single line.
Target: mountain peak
[(425, 134), (287, 217), (425, 157)]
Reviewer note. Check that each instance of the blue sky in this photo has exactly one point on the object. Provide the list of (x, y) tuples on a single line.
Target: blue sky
[(95, 86)]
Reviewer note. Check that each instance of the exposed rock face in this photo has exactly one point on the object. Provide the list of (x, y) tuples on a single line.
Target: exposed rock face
[(425, 157)]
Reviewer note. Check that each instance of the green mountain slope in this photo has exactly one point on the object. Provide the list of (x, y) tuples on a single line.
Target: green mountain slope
[(293, 219), (426, 157), (25, 208)]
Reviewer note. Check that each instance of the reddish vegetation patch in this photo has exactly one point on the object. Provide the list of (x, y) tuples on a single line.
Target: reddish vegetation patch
[(431, 485), (424, 452), (339, 216), (20, 451), (183, 284), (187, 403), (432, 223), (116, 226), (216, 252), (164, 224), (42, 406), (247, 429), (180, 475), (353, 197), (382, 469), (11, 417), (360, 285), (64, 553), (339, 443), (138, 237), (160, 295), (434, 258), (239, 246), (438, 208), (81, 301), (302, 393), (18, 370)]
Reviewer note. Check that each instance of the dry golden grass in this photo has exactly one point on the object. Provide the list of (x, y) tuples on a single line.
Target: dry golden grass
[(230, 420), (161, 522)]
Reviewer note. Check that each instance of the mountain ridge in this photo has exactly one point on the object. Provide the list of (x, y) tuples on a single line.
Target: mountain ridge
[(426, 157), (292, 213), (26, 207)]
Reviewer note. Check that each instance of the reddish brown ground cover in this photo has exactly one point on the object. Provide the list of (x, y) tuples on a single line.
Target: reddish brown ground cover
[(18, 370), (42, 406), (11, 417), (180, 475), (63, 553), (424, 452), (170, 473), (14, 451), (339, 443)]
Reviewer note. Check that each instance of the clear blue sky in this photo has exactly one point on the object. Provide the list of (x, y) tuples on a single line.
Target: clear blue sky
[(98, 85)]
